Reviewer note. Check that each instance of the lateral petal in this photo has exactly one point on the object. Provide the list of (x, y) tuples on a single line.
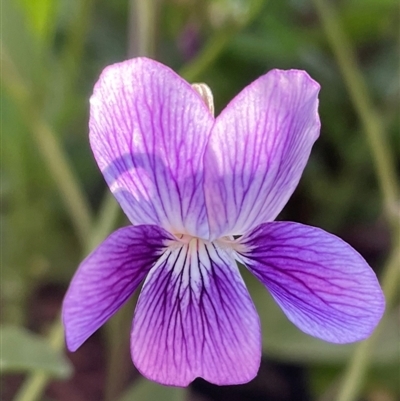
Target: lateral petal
[(195, 318), (321, 283), (107, 278), (258, 149), (148, 132)]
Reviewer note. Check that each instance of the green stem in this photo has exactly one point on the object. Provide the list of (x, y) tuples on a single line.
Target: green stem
[(357, 368), (192, 70), (373, 128), (50, 149), (142, 28), (35, 384), (119, 361), (33, 387), (108, 215), (213, 48), (385, 170)]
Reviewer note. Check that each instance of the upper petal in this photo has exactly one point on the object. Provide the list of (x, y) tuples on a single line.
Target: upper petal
[(322, 284), (258, 149), (195, 318), (148, 132), (107, 278)]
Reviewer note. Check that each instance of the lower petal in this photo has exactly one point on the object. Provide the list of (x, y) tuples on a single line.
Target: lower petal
[(195, 318), (322, 284), (107, 278)]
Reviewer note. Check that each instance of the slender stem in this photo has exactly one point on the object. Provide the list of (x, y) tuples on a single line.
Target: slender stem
[(33, 387), (373, 127), (108, 215), (35, 384), (212, 49), (119, 361), (354, 375), (61, 170), (142, 28), (57, 162), (385, 170)]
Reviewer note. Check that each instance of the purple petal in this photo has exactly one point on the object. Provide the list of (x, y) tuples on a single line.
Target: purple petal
[(107, 278), (195, 318), (258, 149), (148, 132), (322, 284)]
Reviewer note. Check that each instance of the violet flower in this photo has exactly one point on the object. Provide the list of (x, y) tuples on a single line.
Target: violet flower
[(202, 193)]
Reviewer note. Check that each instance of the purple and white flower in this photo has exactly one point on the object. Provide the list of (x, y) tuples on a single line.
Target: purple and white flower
[(202, 193)]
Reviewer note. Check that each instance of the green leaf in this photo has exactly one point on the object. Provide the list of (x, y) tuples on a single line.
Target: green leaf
[(283, 341), (146, 390), (23, 351)]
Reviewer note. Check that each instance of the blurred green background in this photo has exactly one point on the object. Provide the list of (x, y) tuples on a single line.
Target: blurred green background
[(55, 206)]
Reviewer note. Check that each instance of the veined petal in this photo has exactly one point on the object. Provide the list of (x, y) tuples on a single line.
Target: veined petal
[(194, 318), (258, 149), (107, 278), (148, 132), (322, 284)]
